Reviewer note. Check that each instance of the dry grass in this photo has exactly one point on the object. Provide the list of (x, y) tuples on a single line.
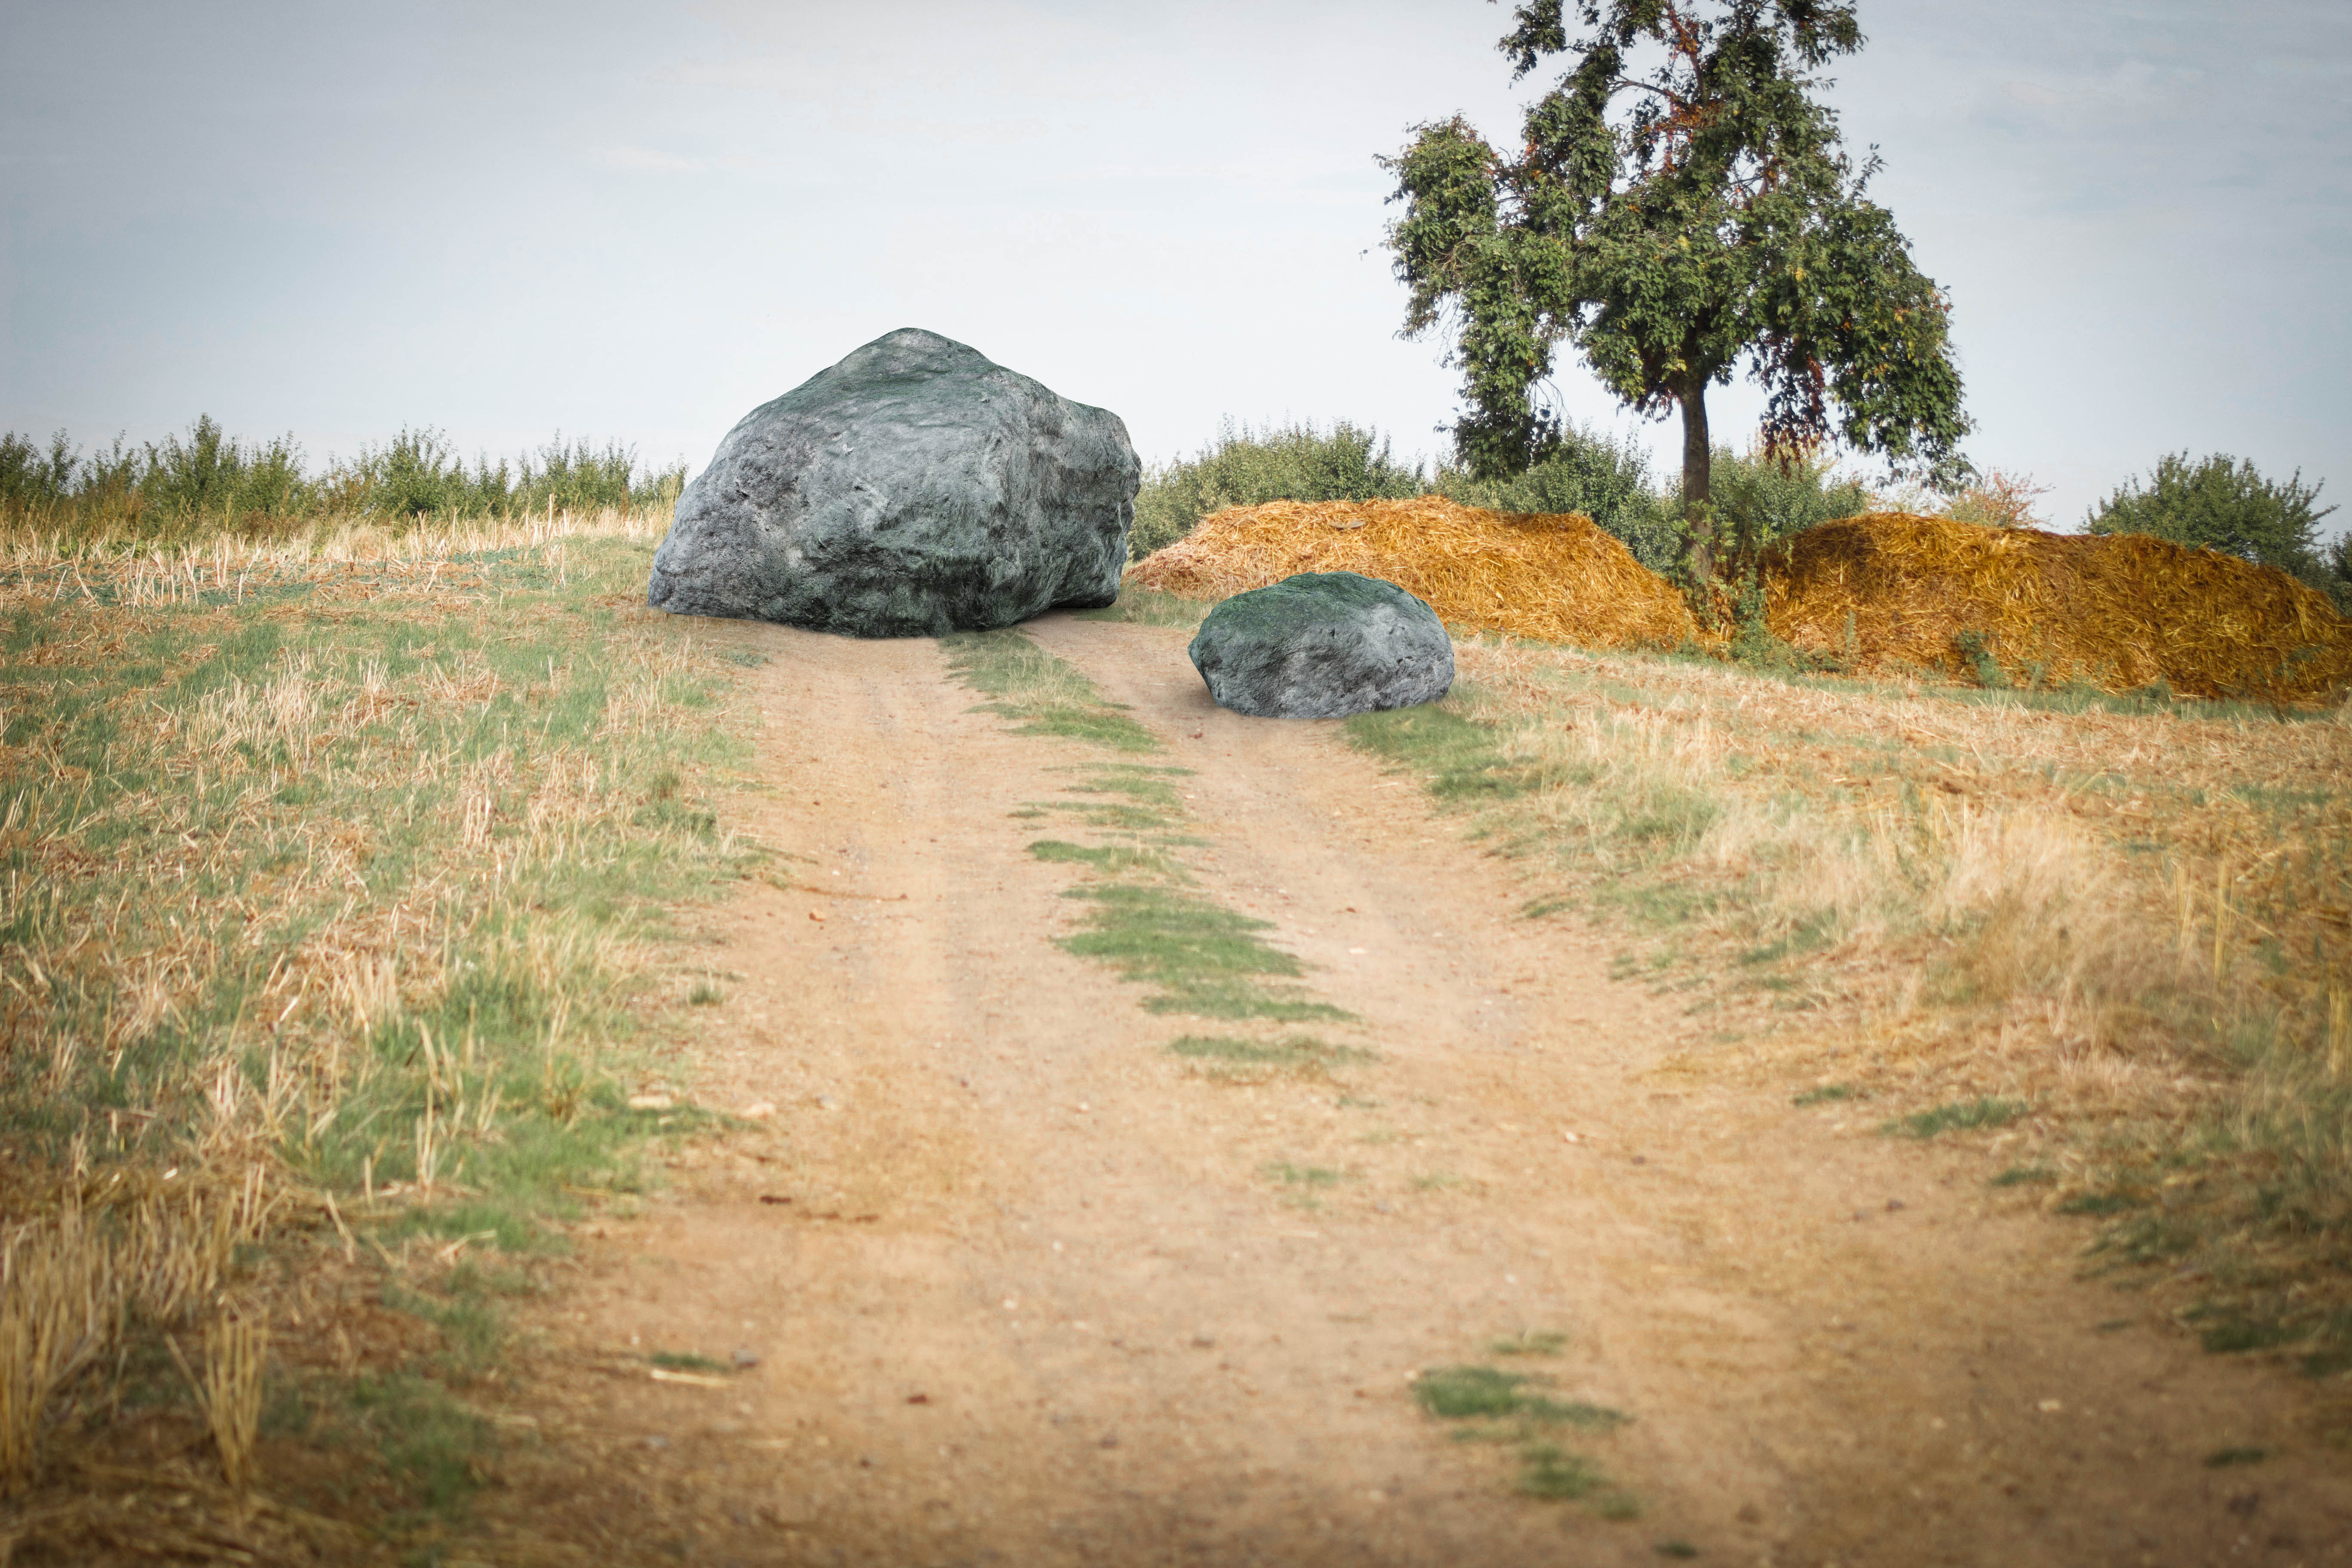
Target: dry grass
[(2138, 925), (98, 1250), (235, 1349), (325, 871), (1557, 578)]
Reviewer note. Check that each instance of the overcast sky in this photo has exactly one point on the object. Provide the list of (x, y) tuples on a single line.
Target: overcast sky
[(638, 221)]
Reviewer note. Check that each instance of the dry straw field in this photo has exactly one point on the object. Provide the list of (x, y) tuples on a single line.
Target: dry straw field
[(330, 958)]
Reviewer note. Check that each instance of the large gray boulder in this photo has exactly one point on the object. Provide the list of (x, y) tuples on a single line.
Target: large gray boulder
[(1323, 645), (913, 488)]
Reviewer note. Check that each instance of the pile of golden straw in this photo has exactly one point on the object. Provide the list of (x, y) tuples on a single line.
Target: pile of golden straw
[(1888, 592), (2118, 612), (1553, 578)]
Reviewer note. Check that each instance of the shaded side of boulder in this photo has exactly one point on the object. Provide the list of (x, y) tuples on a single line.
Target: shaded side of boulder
[(914, 489), (1323, 645)]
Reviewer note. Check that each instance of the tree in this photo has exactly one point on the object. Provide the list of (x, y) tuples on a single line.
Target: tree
[(2335, 571), (2222, 503), (1681, 206)]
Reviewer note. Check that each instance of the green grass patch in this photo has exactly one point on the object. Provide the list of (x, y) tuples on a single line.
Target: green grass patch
[(431, 1445), (1960, 1116), (1110, 859), (2261, 1226), (467, 1307), (1463, 760), (1458, 1393), (1148, 787), (1809, 935), (1454, 1393), (687, 1361), (1200, 957), (1553, 1473), (1289, 1053), (1530, 1341), (2231, 1328), (1150, 608), (2221, 1458), (2107, 1202), (1289, 1175), (1632, 819), (254, 733), (1825, 1094), (1490, 1404), (1046, 695)]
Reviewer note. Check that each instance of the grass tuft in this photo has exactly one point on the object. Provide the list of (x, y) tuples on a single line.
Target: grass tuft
[(1203, 960), (1963, 1116), (1048, 695), (1552, 1472), (1300, 1054), (1142, 918), (1493, 1405)]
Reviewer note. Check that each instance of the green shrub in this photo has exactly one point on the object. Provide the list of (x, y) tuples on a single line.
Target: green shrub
[(1759, 500), (420, 474), (32, 475), (1998, 500), (1248, 467), (2225, 503), (208, 475), (164, 492), (1587, 471), (2335, 571)]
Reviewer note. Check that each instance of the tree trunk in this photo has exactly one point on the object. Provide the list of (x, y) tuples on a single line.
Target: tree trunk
[(1697, 515)]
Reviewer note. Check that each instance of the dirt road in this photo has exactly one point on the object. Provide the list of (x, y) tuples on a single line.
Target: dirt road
[(1025, 1287)]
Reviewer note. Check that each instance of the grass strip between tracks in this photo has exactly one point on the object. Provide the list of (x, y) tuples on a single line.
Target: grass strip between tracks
[(1145, 914)]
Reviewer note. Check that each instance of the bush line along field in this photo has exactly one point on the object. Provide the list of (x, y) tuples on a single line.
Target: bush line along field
[(174, 490), (1758, 501), (332, 949)]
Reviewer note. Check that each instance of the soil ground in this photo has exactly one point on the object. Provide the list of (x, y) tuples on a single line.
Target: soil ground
[(1025, 1287)]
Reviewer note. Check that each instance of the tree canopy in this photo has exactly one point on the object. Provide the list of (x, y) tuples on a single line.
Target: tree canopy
[(1682, 206)]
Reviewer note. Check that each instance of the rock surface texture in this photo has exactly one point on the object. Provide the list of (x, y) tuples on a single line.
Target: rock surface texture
[(914, 489), (1323, 645)]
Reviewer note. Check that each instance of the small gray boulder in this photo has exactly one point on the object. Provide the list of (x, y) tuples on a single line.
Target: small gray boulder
[(914, 489), (1323, 645)]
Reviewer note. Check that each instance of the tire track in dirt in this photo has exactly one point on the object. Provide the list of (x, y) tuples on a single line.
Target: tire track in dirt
[(1063, 1316)]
